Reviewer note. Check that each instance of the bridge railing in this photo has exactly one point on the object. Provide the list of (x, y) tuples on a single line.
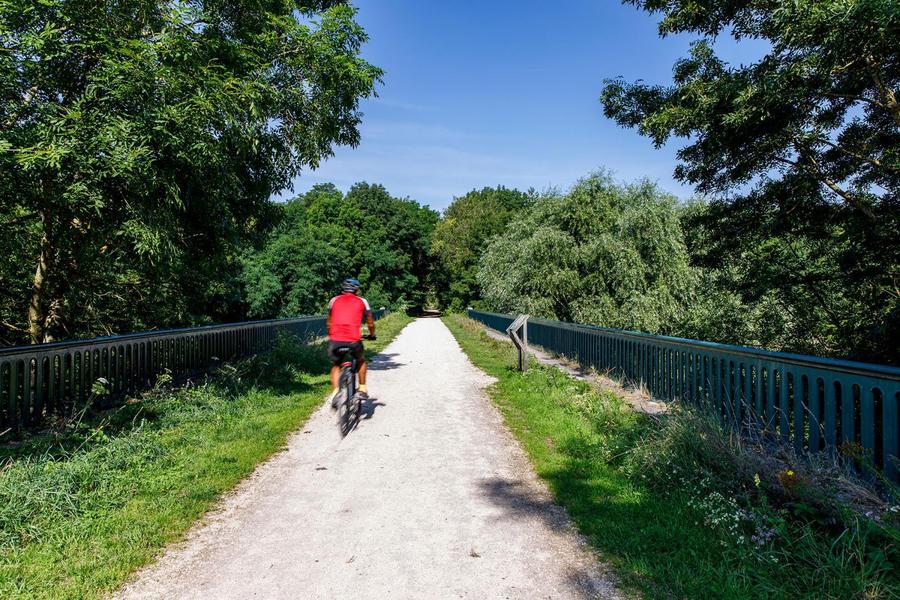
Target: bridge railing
[(815, 404), (51, 379)]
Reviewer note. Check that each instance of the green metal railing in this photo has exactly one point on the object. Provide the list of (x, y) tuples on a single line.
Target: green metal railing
[(815, 404), (52, 379)]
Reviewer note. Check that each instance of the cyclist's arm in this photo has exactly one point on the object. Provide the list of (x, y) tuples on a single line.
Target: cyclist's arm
[(328, 317), (370, 320)]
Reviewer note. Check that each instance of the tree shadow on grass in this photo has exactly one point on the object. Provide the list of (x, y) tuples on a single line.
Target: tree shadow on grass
[(651, 541)]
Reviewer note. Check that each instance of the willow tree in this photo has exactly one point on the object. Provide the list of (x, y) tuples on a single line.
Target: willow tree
[(141, 140), (601, 253)]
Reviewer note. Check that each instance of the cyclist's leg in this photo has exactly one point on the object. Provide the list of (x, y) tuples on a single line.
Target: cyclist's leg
[(361, 367), (335, 372), (335, 376)]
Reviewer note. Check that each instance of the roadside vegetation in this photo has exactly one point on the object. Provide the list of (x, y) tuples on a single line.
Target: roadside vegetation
[(678, 507), (87, 501)]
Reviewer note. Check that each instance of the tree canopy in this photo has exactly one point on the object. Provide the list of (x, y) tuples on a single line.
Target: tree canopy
[(601, 253), (460, 239), (140, 143), (800, 152), (325, 236), (816, 119)]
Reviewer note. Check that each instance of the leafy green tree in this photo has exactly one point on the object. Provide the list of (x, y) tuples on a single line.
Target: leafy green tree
[(325, 236), (602, 253), (400, 228), (140, 143), (802, 146), (461, 237), (796, 292)]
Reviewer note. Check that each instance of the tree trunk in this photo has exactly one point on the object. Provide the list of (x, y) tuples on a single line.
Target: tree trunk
[(37, 309)]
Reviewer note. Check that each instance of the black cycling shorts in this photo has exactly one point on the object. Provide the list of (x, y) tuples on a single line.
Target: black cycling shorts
[(337, 357)]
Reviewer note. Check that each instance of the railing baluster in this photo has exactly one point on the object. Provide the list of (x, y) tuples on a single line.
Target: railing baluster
[(814, 405), (889, 435)]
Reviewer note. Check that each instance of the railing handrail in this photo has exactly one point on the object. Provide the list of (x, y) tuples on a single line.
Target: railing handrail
[(847, 366), (125, 337)]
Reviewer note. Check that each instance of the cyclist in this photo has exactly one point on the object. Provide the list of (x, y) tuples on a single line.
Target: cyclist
[(345, 315)]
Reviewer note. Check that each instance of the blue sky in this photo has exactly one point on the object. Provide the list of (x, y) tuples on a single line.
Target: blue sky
[(503, 92)]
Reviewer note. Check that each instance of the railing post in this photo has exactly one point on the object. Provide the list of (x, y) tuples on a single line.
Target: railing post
[(520, 342)]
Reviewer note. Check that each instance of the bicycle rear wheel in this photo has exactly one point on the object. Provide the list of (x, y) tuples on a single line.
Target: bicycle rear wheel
[(347, 410)]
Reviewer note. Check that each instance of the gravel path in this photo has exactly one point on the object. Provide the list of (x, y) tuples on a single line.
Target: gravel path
[(430, 497)]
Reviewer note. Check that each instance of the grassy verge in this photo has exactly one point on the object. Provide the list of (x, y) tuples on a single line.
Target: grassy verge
[(663, 503), (82, 506)]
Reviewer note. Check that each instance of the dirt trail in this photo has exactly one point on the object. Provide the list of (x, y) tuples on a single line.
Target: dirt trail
[(430, 497)]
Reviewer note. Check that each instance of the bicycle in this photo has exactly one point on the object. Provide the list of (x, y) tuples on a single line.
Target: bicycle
[(348, 402)]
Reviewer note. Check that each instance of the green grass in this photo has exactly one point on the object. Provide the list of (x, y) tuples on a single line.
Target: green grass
[(81, 507), (608, 467)]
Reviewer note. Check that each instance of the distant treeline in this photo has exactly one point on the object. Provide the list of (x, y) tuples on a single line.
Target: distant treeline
[(619, 255)]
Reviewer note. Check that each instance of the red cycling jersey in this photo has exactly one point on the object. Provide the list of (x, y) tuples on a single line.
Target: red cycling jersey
[(346, 312)]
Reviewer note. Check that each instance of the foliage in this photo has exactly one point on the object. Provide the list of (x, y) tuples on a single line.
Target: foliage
[(140, 143), (461, 237), (678, 507), (601, 253), (812, 290), (325, 236), (802, 150)]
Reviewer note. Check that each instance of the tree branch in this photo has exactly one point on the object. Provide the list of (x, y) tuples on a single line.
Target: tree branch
[(872, 161), (20, 219), (809, 160), (26, 101), (890, 96), (856, 98), (12, 327)]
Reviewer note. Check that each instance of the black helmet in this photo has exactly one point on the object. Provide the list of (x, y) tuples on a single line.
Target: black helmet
[(350, 285)]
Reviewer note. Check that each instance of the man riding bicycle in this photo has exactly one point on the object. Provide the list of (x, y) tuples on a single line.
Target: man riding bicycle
[(345, 315)]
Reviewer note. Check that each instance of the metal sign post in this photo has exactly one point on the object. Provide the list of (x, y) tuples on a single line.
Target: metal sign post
[(520, 340)]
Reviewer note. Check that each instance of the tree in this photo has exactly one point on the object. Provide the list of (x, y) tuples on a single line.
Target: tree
[(140, 143), (462, 235), (802, 150), (325, 236), (404, 228), (810, 291), (602, 253)]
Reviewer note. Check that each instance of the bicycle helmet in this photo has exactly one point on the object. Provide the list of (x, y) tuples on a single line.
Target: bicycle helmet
[(350, 285)]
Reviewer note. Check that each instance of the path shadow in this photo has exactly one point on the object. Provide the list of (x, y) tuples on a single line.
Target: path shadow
[(521, 501), (367, 408), (384, 362)]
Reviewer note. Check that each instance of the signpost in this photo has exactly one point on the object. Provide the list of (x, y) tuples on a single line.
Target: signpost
[(520, 340)]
